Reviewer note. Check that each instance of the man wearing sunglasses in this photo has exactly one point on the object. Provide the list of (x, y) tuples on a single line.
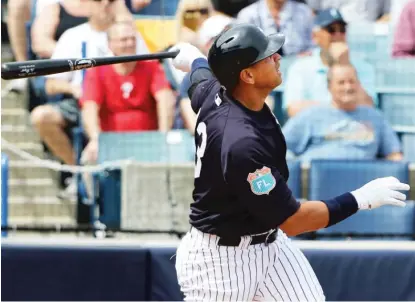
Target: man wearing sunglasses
[(306, 83)]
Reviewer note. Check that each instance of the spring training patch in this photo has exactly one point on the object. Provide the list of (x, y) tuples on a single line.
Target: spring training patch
[(262, 181)]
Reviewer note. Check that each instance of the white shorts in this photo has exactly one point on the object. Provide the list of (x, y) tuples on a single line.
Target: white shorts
[(275, 272)]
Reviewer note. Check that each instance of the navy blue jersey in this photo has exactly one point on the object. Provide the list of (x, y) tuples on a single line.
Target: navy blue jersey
[(241, 171)]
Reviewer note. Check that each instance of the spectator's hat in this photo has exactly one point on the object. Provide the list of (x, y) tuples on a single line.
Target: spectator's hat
[(328, 16), (212, 27)]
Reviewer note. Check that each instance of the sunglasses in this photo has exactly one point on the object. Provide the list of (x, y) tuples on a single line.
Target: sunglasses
[(201, 11), (333, 29)]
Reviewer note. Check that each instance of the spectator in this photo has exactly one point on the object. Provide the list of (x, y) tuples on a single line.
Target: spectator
[(292, 18), (54, 120), (343, 129), (306, 83), (53, 21), (190, 15), (356, 10), (61, 15), (132, 96), (404, 37)]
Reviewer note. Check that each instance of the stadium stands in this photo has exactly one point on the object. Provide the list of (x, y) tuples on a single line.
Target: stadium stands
[(347, 175)]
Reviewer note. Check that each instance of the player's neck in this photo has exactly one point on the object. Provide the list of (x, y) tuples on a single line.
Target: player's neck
[(252, 99)]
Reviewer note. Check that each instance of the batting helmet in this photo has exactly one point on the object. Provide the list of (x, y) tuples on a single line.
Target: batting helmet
[(239, 47)]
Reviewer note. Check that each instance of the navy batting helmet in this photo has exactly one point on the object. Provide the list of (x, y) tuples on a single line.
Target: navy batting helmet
[(239, 47)]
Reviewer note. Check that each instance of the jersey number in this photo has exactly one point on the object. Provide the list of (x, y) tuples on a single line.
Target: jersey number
[(201, 130)]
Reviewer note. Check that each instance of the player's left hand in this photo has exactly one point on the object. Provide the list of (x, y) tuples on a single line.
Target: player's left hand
[(188, 53), (380, 192)]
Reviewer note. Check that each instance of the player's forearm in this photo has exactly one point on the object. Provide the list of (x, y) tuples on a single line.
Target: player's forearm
[(315, 215), (200, 71), (311, 216), (90, 118)]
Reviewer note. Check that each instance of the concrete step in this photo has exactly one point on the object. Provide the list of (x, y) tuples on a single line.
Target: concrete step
[(35, 149), (33, 187), (26, 170), (15, 117), (41, 220), (13, 100), (41, 206), (19, 134)]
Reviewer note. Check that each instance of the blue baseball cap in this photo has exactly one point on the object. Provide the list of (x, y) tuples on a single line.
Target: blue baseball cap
[(328, 16)]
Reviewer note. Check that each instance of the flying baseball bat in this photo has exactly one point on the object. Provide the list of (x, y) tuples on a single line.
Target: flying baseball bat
[(35, 68)]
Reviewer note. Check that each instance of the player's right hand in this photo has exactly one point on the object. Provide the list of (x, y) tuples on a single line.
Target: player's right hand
[(379, 192), (188, 53)]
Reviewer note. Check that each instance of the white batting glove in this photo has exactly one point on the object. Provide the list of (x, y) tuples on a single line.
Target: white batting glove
[(380, 192), (188, 53)]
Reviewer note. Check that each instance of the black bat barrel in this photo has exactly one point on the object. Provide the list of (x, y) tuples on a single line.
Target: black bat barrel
[(35, 68)]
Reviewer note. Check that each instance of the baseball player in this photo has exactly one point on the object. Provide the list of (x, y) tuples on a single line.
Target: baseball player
[(237, 248)]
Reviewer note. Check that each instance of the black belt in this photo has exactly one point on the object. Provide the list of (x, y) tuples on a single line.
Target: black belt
[(266, 238)]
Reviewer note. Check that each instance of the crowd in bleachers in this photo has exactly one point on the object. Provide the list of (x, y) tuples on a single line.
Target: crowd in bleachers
[(329, 105)]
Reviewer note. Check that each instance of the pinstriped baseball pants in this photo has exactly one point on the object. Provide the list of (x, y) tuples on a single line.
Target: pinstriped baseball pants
[(277, 272)]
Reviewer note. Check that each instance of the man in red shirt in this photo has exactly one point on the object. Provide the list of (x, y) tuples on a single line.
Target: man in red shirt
[(132, 96)]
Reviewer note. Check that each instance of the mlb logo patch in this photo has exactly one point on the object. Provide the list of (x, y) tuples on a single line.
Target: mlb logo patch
[(262, 181)]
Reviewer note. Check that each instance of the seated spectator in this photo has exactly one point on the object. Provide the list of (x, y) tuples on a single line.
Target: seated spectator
[(133, 96), (61, 15), (404, 37), (356, 10), (343, 129), (190, 15), (292, 18), (53, 21), (54, 121), (306, 83)]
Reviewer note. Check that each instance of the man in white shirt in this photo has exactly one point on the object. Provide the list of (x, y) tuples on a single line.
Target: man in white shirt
[(86, 40)]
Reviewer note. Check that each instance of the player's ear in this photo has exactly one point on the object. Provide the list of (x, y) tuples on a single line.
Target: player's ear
[(247, 76)]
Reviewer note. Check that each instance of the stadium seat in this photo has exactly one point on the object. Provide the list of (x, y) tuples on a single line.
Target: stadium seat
[(408, 143), (392, 222), (147, 146), (294, 181), (399, 109), (158, 32), (395, 75), (330, 178)]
